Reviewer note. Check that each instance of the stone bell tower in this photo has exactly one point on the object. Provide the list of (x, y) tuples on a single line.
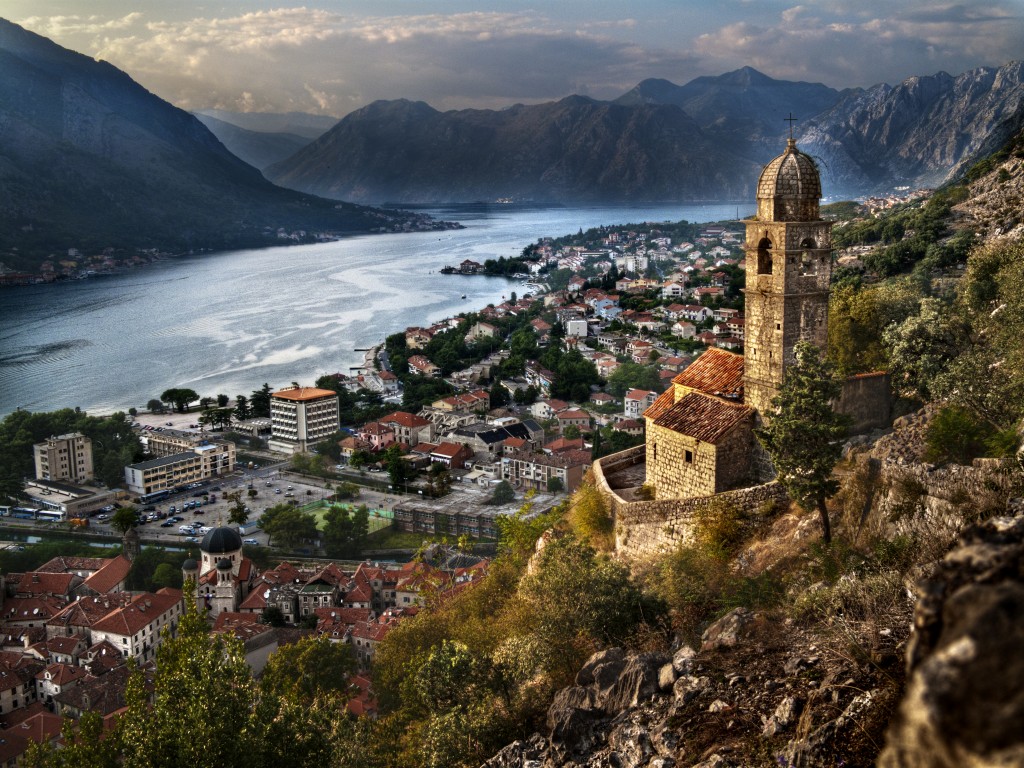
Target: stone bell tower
[(788, 269)]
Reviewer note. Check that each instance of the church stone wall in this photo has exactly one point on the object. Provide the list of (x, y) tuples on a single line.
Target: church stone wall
[(644, 529), (683, 467), (669, 471)]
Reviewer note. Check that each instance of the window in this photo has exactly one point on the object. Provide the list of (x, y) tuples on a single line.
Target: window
[(808, 263), (688, 457), (764, 257)]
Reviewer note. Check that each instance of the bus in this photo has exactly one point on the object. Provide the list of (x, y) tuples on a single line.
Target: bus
[(54, 515), (149, 498), (24, 513)]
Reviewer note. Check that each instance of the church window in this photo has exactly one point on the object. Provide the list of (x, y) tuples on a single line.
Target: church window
[(688, 457), (808, 264), (655, 446), (764, 256)]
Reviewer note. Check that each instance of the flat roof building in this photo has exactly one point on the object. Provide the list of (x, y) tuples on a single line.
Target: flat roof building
[(301, 417), (64, 457)]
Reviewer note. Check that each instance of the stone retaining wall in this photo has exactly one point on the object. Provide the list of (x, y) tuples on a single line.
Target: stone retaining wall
[(644, 529)]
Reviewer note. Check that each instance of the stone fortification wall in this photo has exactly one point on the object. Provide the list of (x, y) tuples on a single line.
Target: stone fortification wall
[(644, 529)]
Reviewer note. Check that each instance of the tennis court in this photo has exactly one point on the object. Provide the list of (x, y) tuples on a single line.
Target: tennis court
[(379, 518)]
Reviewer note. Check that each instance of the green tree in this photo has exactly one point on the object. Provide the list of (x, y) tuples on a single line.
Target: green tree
[(630, 375), (237, 514), (180, 397), (86, 745), (804, 435), (310, 669), (125, 519), (273, 616), (922, 347), (200, 712), (155, 406), (499, 396), (345, 532), (166, 575), (259, 402), (503, 494), (399, 470), (439, 480), (605, 609), (242, 411), (288, 525)]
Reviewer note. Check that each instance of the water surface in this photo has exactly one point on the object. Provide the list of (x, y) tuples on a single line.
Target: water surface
[(228, 322)]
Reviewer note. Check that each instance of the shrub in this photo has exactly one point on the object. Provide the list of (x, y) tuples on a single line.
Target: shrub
[(589, 518), (954, 435)]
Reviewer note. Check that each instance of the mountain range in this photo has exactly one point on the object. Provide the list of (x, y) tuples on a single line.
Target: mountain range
[(707, 139), (91, 160)]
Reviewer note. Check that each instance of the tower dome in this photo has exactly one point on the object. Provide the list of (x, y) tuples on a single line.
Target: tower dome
[(221, 540), (224, 565), (789, 188)]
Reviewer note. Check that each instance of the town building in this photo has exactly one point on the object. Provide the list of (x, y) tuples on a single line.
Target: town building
[(65, 457), (302, 417), (137, 628)]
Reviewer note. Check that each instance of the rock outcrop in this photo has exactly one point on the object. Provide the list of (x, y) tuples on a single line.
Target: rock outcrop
[(757, 693), (964, 705)]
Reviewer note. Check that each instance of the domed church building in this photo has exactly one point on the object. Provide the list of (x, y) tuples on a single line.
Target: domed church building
[(223, 575), (700, 432)]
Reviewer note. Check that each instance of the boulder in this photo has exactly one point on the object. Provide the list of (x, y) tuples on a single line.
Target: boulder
[(729, 630), (964, 704)]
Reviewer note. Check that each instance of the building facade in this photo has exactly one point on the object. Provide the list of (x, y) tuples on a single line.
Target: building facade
[(302, 417), (65, 457), (788, 268)]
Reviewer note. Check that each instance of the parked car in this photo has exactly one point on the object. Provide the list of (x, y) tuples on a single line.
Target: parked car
[(277, 490), (250, 541), (167, 524)]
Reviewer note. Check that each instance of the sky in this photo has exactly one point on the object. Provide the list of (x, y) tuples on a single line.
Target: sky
[(333, 56)]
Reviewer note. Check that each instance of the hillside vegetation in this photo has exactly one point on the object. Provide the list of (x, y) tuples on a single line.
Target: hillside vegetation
[(755, 644)]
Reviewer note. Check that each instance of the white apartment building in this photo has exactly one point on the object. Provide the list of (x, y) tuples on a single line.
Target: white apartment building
[(301, 417), (66, 457), (136, 628)]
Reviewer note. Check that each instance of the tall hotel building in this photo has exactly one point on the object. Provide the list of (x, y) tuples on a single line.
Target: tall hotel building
[(301, 417), (65, 458)]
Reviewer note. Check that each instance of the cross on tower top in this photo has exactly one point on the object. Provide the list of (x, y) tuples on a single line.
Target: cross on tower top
[(790, 120)]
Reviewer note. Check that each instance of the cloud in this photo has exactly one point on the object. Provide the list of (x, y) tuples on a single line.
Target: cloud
[(321, 61), (876, 42), (317, 60)]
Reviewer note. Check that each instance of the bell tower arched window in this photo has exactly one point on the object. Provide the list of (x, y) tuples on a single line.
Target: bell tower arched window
[(808, 263), (764, 256)]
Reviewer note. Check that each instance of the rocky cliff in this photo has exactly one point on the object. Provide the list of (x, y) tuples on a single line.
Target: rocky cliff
[(923, 132), (660, 141), (907, 659)]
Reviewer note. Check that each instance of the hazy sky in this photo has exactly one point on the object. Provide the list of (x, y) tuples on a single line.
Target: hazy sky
[(333, 56)]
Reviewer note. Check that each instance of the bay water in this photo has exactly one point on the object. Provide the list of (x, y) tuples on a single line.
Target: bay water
[(228, 322)]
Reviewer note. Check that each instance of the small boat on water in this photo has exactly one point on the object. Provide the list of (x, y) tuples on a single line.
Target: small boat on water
[(463, 295)]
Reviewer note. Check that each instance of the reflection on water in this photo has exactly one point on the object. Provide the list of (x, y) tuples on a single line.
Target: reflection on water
[(227, 323)]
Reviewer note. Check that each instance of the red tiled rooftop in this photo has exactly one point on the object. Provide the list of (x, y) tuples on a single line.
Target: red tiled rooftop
[(703, 417), (716, 372)]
